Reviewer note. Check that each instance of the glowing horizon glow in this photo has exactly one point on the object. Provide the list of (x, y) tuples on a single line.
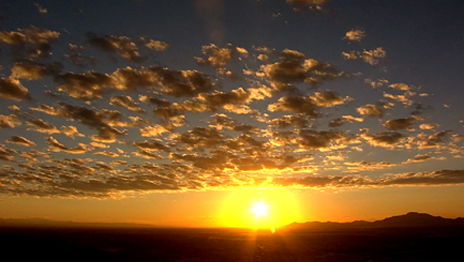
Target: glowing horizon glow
[(260, 209)]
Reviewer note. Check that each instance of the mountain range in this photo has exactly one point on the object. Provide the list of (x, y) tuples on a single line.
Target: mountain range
[(409, 220)]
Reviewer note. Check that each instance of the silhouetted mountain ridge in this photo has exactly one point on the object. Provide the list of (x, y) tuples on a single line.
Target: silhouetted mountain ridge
[(409, 220)]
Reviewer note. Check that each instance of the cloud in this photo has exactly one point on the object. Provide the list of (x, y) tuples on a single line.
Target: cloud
[(307, 105), (156, 130), (107, 135), (19, 140), (40, 39), (290, 121), (320, 140), (78, 59), (9, 121), (49, 110), (151, 145), (86, 86), (157, 45), (7, 154), (420, 158), (43, 127), (293, 67), (127, 102), (370, 110), (400, 86), (364, 165), (428, 126), (33, 71), (122, 45), (400, 123), (13, 90), (355, 35), (71, 131), (106, 153), (369, 56), (222, 121), (41, 10), (384, 139), (216, 56), (56, 146), (177, 83), (442, 177)]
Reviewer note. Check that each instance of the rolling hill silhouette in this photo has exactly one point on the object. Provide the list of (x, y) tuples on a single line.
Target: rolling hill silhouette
[(409, 220)]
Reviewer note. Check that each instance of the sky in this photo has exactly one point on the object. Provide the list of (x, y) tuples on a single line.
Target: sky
[(187, 113)]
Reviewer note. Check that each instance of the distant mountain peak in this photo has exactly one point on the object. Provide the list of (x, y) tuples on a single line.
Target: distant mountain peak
[(408, 220)]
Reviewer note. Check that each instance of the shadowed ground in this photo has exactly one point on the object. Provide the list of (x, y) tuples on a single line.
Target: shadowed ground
[(77, 244)]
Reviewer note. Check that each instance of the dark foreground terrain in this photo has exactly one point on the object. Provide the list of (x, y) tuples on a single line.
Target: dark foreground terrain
[(149, 244)]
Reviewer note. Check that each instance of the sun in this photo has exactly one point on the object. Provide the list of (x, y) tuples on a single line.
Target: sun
[(260, 209)]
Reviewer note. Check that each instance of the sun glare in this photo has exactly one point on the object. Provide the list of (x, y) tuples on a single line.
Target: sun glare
[(260, 209)]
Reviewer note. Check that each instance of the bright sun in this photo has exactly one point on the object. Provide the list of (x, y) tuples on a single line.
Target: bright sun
[(260, 209)]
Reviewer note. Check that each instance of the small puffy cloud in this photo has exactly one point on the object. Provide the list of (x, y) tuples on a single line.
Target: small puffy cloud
[(107, 135), (370, 110), (328, 99), (89, 85), (320, 140), (49, 110), (19, 140), (151, 145), (221, 99), (42, 10), (351, 118), (127, 102), (404, 99), (307, 105), (384, 139), (43, 127), (9, 121), (369, 56), (355, 35), (78, 59), (290, 121), (428, 126), (365, 165), (296, 104), (147, 155), (157, 45), (156, 130), (400, 123), (30, 71), (56, 146), (177, 83), (216, 56), (7, 154), (40, 39), (293, 67), (106, 153), (421, 158), (122, 45), (400, 86), (71, 131), (13, 90)]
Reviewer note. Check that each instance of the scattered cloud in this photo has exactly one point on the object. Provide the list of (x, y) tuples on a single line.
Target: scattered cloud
[(19, 140), (355, 35), (12, 89)]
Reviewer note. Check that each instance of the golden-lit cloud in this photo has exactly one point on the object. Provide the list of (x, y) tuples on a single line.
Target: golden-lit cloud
[(124, 114)]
